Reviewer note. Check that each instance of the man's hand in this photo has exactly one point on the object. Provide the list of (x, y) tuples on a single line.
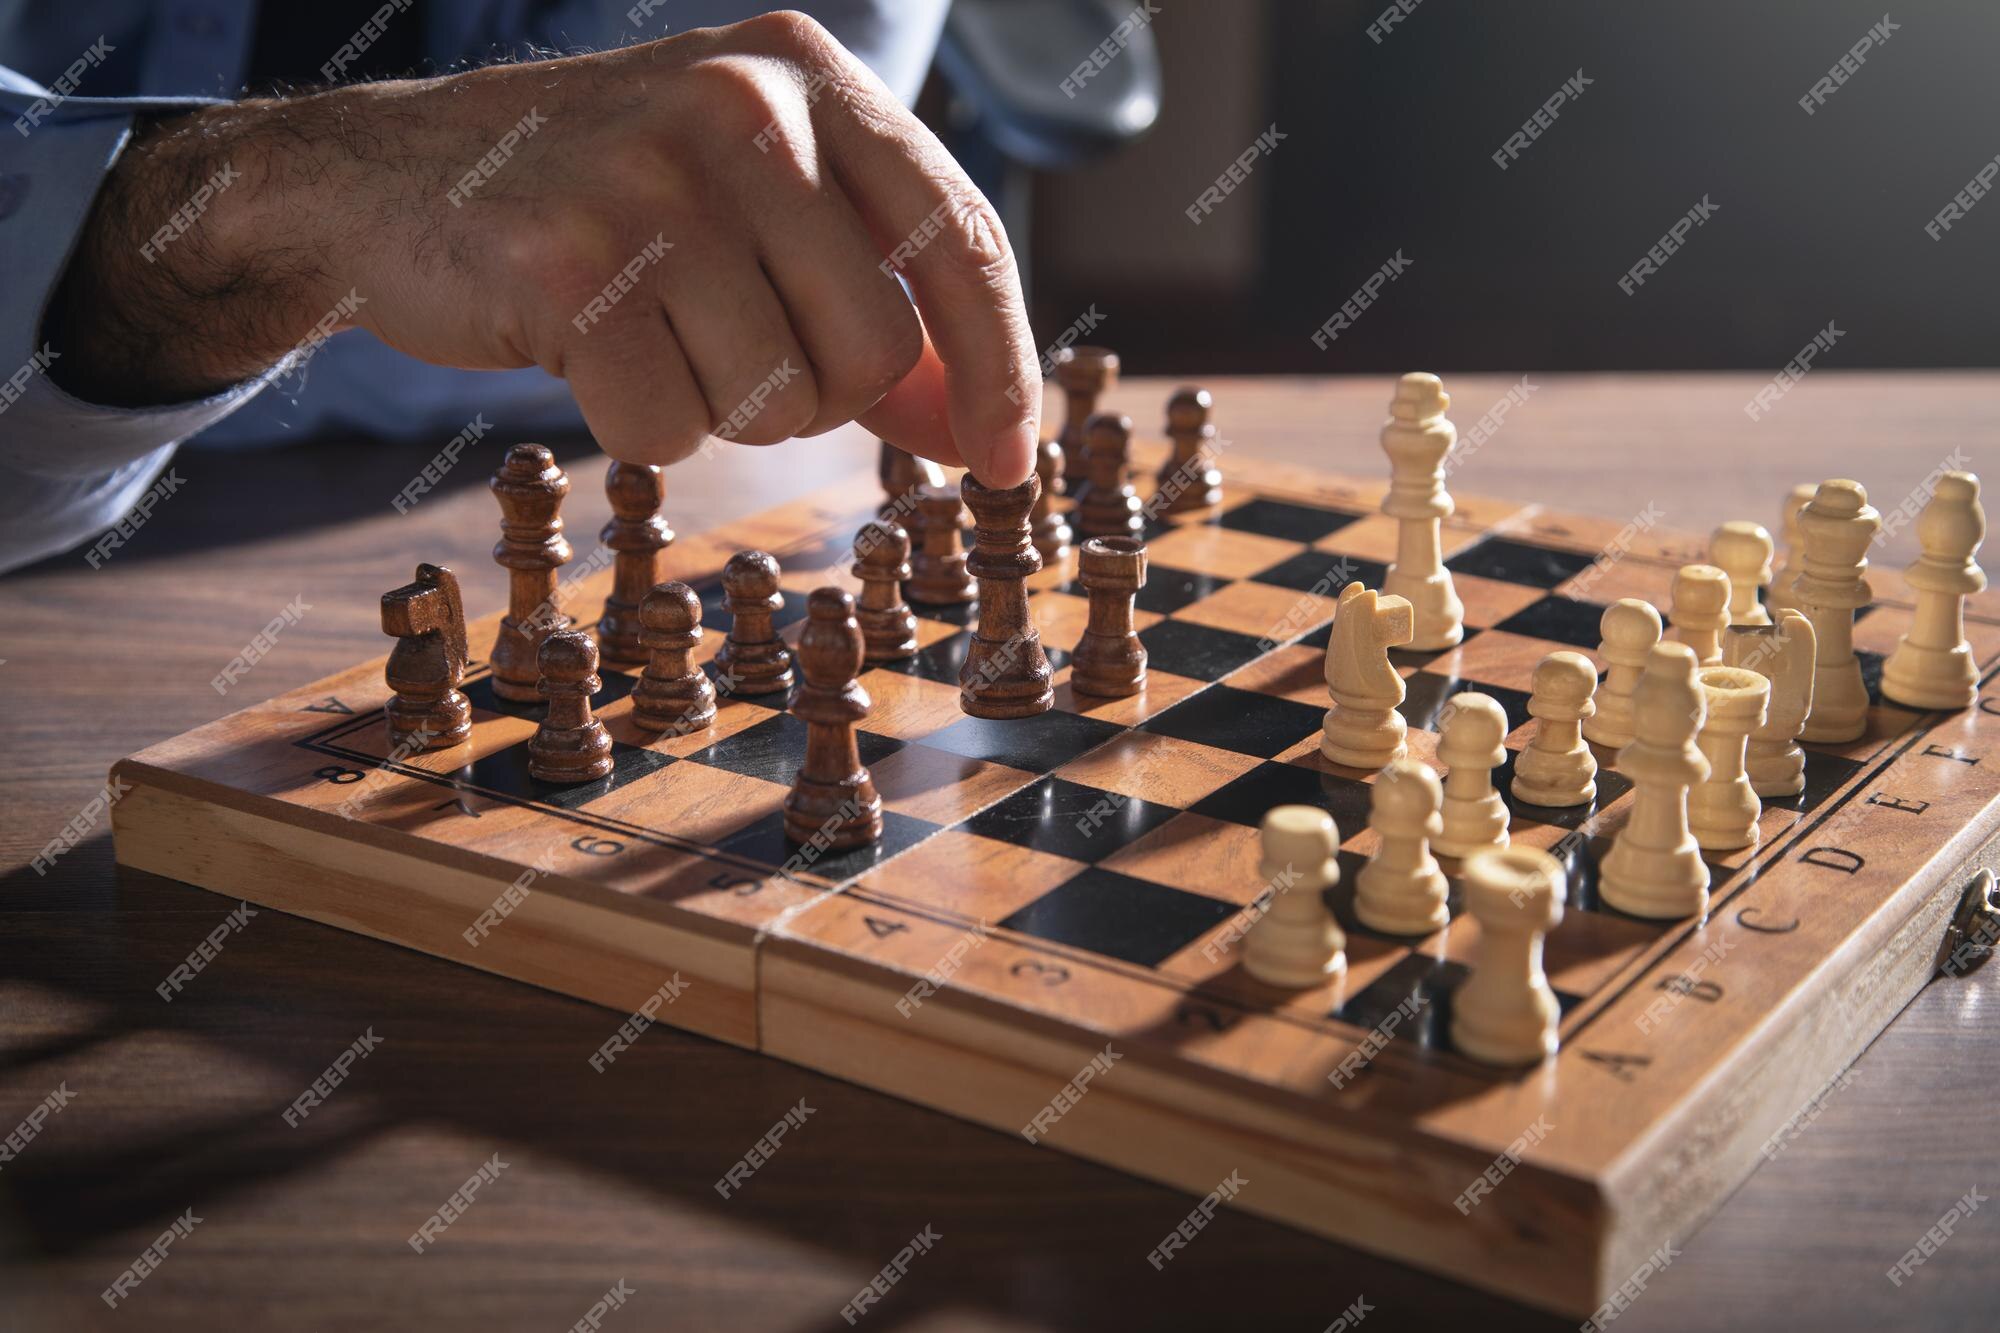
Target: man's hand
[(701, 234)]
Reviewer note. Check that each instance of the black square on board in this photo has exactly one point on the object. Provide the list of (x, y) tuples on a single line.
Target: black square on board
[(1167, 589), (617, 684), (1246, 800), (945, 659), (1322, 572), (774, 748), (1561, 619), (1198, 651), (714, 613), (765, 841), (1825, 774), (1120, 917), (506, 772), (1610, 786), (1242, 721), (1518, 562), (950, 613), (1039, 744), (1420, 986), (1289, 522), (1427, 692), (1069, 819)]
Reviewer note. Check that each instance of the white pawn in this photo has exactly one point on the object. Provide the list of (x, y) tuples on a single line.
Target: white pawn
[(1416, 437), (1471, 743), (1363, 728), (1629, 629), (1723, 807), (1780, 595), (1297, 943), (1401, 891), (1701, 610), (1742, 550), (1837, 527), (1557, 769), (1781, 653), (1932, 666), (1506, 1013), (1654, 868)]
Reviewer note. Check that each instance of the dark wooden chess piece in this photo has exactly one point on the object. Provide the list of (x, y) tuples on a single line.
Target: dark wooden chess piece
[(753, 659), (672, 694), (1110, 661), (530, 488), (1189, 479), (902, 474), (1110, 506), (833, 802), (639, 535), (938, 575), (571, 745), (427, 665), (1084, 374), (882, 562), (1048, 523), (1006, 673)]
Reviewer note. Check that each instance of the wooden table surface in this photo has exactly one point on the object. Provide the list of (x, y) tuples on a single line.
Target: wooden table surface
[(610, 1178)]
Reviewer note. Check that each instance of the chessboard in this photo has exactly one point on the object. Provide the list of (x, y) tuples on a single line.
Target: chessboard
[(1047, 937)]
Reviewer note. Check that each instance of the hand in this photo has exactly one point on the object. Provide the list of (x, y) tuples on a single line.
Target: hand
[(699, 234)]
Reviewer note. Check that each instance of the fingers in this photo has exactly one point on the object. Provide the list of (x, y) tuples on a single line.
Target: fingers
[(915, 414), (635, 389), (738, 339)]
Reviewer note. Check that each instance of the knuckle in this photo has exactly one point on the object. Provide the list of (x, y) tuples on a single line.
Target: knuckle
[(786, 32), (981, 248), (737, 95)]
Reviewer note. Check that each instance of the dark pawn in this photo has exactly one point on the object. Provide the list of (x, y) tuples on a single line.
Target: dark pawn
[(1190, 479), (1006, 673), (530, 488), (638, 534), (1109, 507), (938, 574), (672, 694), (427, 665), (902, 474), (882, 562), (833, 801), (1084, 374), (1048, 524), (570, 746), (753, 659), (1110, 662)]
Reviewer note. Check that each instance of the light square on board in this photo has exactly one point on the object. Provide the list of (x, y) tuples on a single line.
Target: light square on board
[(1295, 672), (939, 786), (986, 879), (1218, 858), (1490, 601), (1260, 610), (909, 707), (1161, 691), (1159, 768), (1220, 551)]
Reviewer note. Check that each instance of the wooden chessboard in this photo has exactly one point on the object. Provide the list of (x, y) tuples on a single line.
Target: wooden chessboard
[(1081, 878)]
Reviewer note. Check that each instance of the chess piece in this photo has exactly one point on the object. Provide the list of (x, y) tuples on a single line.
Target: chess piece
[(570, 745), (1557, 769), (1083, 373), (638, 535), (1629, 628), (1416, 437), (1782, 653), (1781, 582), (1363, 728), (1189, 479), (833, 802), (902, 475), (1049, 524), (1296, 942), (1654, 868), (1506, 1013), (1932, 665), (1401, 891), (530, 488), (1837, 526), (1742, 550), (938, 575), (1006, 673), (1109, 506), (882, 562), (1701, 610), (1471, 743), (753, 659), (672, 694), (427, 665), (1110, 662), (1723, 807)]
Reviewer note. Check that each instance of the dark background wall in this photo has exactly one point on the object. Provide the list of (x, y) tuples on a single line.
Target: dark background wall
[(1388, 148)]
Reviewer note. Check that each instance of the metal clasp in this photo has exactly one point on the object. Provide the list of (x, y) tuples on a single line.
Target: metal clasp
[(1974, 930)]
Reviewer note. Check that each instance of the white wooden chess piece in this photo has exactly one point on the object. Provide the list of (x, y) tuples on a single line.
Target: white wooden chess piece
[(1654, 868), (1401, 891), (1416, 437), (1723, 807), (1742, 550), (1780, 595), (1782, 653), (1471, 743), (1363, 728), (1505, 1013), (1837, 527), (1701, 610), (1557, 769), (1932, 665), (1629, 628), (1297, 943)]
